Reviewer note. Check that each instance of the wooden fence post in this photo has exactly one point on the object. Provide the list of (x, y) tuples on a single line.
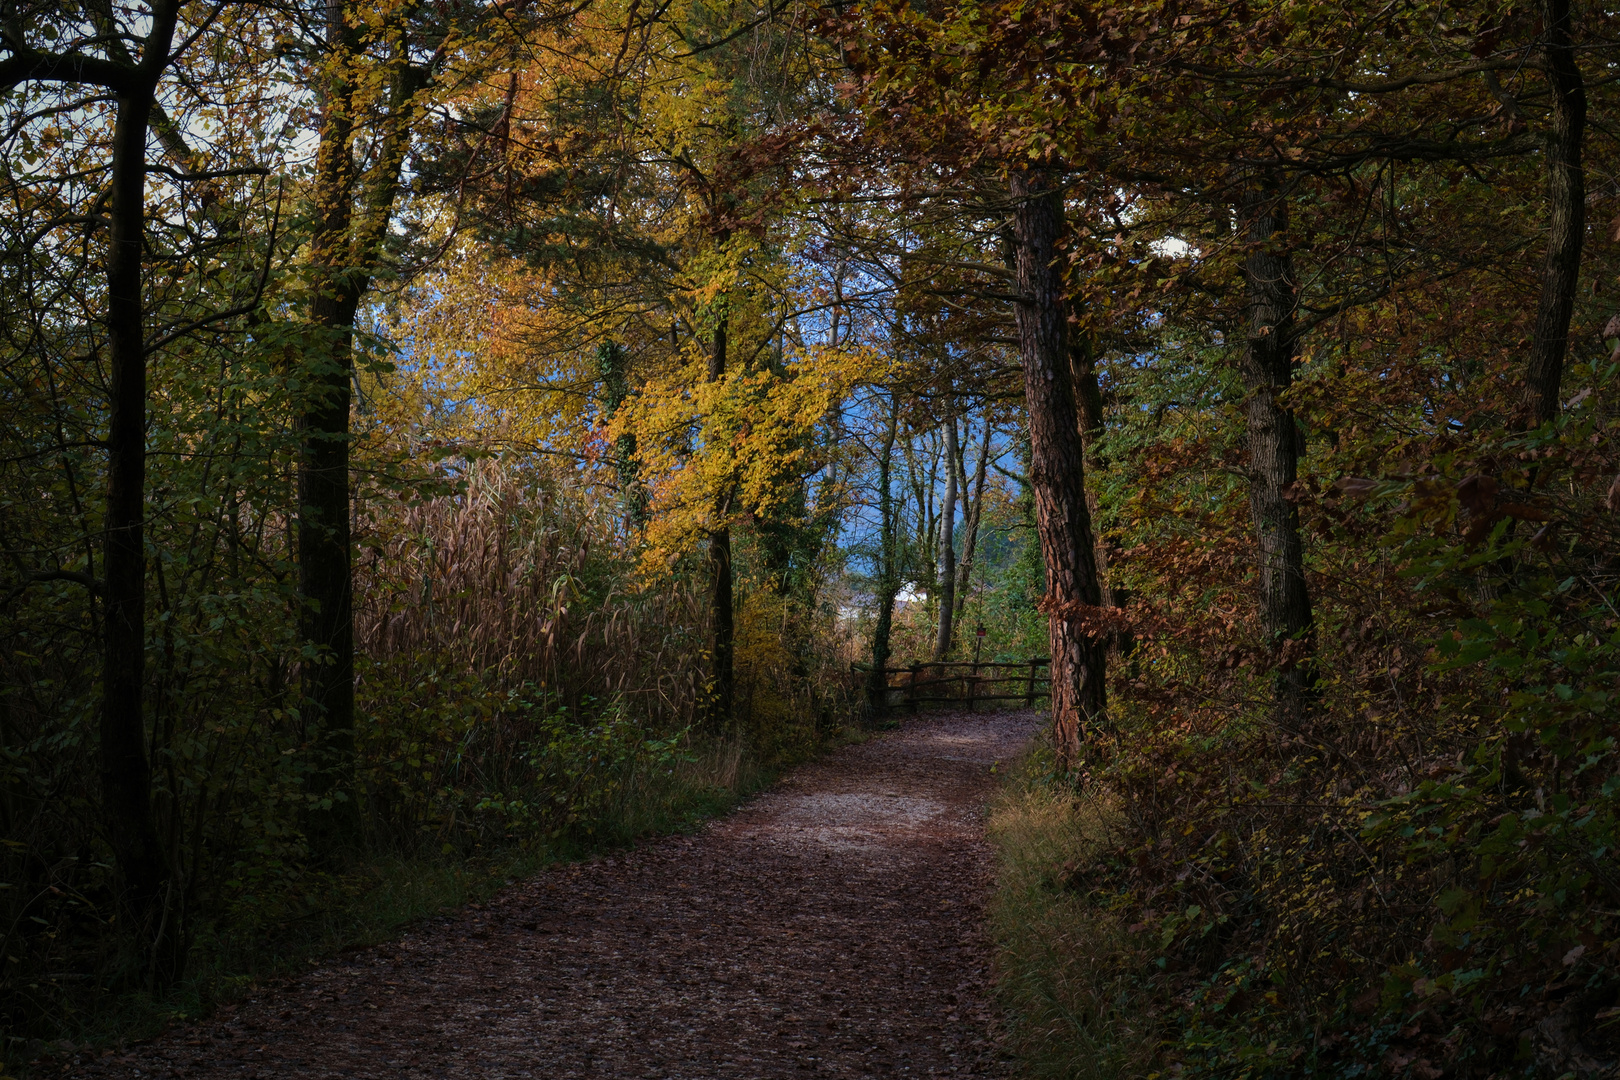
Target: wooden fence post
[(1029, 687), (911, 689)]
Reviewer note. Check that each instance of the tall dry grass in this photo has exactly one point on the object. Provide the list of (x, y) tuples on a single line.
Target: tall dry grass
[(523, 576)]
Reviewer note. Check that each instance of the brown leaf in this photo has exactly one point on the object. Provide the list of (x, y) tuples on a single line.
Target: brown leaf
[(1526, 512), (1478, 493)]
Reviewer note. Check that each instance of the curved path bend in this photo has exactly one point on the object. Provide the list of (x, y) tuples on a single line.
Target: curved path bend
[(831, 927)]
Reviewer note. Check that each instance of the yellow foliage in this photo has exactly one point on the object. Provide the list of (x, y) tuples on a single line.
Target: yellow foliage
[(722, 453)]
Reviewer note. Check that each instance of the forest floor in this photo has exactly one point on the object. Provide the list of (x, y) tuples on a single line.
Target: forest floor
[(832, 926)]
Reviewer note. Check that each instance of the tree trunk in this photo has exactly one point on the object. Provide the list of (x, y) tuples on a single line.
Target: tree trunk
[(922, 547), (324, 557), (888, 578), (947, 545), (975, 513), (1057, 468), (1566, 197), (610, 365), (1274, 447), (1089, 404), (149, 900), (721, 658), (344, 252), (1087, 394)]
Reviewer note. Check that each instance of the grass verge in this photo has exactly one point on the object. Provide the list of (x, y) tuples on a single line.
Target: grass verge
[(1073, 986)]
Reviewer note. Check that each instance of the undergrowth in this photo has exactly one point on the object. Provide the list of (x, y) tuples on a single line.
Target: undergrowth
[(381, 892), (1074, 987)]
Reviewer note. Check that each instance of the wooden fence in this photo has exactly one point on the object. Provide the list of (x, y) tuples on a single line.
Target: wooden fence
[(972, 684)]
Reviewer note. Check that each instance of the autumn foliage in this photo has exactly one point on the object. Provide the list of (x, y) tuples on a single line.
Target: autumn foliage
[(427, 422)]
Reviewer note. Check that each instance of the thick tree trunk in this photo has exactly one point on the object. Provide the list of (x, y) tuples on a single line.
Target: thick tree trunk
[(345, 249), (947, 546), (888, 578), (1274, 447), (1566, 197), (324, 558), (150, 897), (974, 514), (1057, 468), (722, 655)]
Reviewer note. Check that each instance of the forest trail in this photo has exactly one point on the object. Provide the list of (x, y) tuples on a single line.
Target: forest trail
[(833, 926)]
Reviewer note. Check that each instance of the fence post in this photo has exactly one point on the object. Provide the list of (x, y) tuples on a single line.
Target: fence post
[(877, 691), (911, 688), (1029, 687), (973, 690)]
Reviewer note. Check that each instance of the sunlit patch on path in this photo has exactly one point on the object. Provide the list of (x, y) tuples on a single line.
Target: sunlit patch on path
[(831, 927)]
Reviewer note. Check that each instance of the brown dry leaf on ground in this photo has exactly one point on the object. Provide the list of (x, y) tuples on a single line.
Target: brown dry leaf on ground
[(833, 926)]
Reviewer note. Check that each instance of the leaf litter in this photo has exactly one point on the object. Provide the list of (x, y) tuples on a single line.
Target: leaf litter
[(833, 926)]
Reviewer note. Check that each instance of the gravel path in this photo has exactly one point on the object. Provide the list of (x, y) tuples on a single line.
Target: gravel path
[(833, 926)]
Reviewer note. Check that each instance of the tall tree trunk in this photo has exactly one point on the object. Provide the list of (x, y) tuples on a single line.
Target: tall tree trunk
[(920, 479), (324, 557), (150, 898), (1087, 394), (1057, 467), (947, 545), (1566, 197), (721, 658), (345, 249), (888, 577), (1275, 444), (1089, 403), (974, 514)]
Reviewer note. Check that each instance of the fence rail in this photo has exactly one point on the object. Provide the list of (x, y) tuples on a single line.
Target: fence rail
[(921, 675)]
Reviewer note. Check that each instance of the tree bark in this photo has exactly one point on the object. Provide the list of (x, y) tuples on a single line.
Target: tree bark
[(922, 546), (610, 365), (1566, 197), (722, 655), (888, 578), (324, 557), (975, 514), (1275, 444), (345, 249), (1087, 395), (1089, 404), (149, 900), (1057, 468), (947, 545)]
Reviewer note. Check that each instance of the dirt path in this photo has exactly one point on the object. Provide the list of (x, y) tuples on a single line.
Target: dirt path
[(832, 926)]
